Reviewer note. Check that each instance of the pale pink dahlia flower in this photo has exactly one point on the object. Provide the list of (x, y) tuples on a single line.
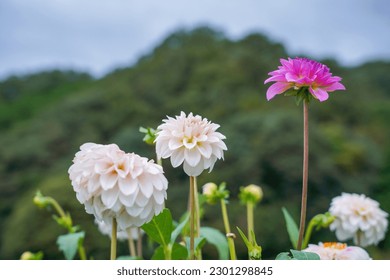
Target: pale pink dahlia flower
[(301, 73), (191, 141), (358, 217), (114, 184), (337, 251), (106, 229)]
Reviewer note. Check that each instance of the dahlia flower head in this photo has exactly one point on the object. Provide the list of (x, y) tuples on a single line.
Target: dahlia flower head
[(301, 73), (190, 140), (358, 217), (337, 251), (114, 184)]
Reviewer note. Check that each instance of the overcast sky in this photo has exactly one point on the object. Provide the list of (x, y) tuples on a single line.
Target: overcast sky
[(99, 35)]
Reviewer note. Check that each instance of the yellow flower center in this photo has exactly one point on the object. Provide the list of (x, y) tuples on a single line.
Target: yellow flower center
[(335, 245)]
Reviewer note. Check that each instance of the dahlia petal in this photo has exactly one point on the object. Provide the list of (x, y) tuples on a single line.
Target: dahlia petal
[(109, 197), (319, 93), (334, 86), (127, 185), (141, 200), (175, 143), (205, 149), (193, 170), (276, 78), (192, 157), (277, 88), (177, 158), (108, 180), (146, 187)]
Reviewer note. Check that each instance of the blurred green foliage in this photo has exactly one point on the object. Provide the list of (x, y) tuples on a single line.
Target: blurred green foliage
[(45, 117)]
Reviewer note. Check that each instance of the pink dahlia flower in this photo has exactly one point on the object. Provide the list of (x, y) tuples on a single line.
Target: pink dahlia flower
[(338, 251), (300, 73)]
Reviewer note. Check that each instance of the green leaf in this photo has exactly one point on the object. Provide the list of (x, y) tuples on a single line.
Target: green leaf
[(179, 228), (68, 243), (218, 239), (158, 254), (300, 255), (179, 252), (244, 238), (159, 228), (283, 256), (292, 228)]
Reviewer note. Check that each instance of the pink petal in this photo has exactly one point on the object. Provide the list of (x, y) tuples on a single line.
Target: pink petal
[(335, 86), (277, 88), (177, 157), (319, 93), (109, 197)]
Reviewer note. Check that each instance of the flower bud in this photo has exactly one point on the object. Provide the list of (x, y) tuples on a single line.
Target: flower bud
[(31, 256), (251, 194), (214, 193), (40, 200)]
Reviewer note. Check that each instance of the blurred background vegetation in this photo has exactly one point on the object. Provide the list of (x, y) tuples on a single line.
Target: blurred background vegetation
[(45, 117)]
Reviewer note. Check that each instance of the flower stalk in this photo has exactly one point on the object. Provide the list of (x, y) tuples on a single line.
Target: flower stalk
[(305, 172), (192, 217), (230, 236), (113, 239), (250, 219)]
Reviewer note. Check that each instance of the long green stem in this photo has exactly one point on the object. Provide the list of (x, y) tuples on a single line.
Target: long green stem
[(192, 217), (229, 235), (250, 220), (113, 239), (198, 253), (308, 233), (305, 172)]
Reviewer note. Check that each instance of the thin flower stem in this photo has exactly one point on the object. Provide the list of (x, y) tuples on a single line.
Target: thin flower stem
[(192, 217), (132, 246), (113, 239), (82, 254), (308, 233), (197, 217), (139, 243), (250, 220), (305, 172), (229, 235)]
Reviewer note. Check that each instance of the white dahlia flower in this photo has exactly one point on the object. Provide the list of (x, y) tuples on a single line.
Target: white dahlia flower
[(106, 229), (114, 184), (358, 217), (191, 141), (337, 251)]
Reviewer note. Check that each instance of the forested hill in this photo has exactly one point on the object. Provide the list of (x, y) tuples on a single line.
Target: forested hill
[(45, 117)]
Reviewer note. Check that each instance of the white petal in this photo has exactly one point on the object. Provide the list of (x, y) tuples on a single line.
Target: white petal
[(127, 185), (192, 157), (205, 149), (193, 170), (177, 157), (141, 200), (146, 186), (175, 143), (108, 181), (109, 197)]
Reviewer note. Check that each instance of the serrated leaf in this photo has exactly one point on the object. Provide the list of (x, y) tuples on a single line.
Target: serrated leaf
[(300, 255), (283, 256), (216, 238), (179, 228), (292, 228), (179, 252), (68, 243), (159, 228)]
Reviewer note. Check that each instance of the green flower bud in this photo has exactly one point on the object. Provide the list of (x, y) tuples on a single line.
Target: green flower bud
[(150, 135), (41, 201), (31, 256), (251, 194), (255, 253), (214, 193)]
